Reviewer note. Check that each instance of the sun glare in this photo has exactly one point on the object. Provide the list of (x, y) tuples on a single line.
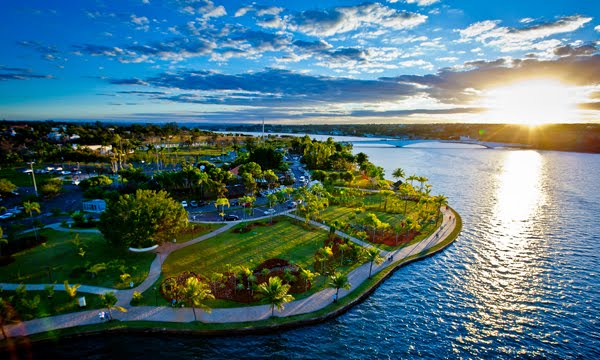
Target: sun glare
[(531, 102)]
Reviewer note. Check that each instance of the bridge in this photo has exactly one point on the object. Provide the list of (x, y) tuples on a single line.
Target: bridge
[(407, 142)]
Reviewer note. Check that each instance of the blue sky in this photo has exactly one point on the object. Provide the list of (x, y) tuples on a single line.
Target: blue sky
[(294, 61)]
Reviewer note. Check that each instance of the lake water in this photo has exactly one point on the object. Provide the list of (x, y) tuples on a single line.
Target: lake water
[(522, 280)]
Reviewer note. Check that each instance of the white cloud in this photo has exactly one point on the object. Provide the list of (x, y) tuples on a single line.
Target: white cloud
[(344, 19), (417, 63), (597, 28), (510, 39), (209, 10), (141, 22), (146, 1), (421, 2)]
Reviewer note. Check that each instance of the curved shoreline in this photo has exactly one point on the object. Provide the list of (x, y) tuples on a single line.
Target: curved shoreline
[(274, 324)]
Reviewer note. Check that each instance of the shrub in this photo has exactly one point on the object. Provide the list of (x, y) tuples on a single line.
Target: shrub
[(137, 298)]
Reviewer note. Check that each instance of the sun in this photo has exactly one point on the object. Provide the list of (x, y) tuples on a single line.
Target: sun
[(531, 102)]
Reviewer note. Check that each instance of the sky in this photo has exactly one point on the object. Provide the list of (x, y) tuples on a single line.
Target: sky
[(301, 62)]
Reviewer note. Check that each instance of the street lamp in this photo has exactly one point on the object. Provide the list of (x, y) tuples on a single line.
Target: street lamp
[(155, 296), (33, 177)]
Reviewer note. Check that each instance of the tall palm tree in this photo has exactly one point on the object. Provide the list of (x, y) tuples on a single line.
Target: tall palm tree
[(339, 281), (30, 207), (374, 257), (275, 293), (195, 292), (307, 275), (109, 300), (398, 174), (440, 200), (222, 202)]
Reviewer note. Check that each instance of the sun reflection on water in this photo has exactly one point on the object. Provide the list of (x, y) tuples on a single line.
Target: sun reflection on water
[(519, 193)]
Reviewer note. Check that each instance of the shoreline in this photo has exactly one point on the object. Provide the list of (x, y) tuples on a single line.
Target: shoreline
[(273, 324)]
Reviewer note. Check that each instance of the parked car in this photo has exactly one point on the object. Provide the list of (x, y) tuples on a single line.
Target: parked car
[(270, 211), (184, 204), (202, 203), (6, 215), (291, 205), (194, 203), (231, 217)]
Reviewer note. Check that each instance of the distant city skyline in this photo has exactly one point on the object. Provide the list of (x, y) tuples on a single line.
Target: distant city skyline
[(301, 62)]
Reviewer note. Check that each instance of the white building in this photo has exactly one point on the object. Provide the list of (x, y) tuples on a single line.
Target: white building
[(95, 206)]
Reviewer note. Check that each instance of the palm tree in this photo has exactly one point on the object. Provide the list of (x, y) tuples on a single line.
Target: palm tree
[(422, 180), (247, 199), (440, 200), (222, 202), (307, 275), (386, 196), (339, 281), (275, 293), (343, 247), (2, 239), (30, 207), (398, 174), (412, 178), (195, 292), (374, 257), (71, 290), (109, 300)]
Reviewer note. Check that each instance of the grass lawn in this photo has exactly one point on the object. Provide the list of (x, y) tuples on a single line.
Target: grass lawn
[(31, 266), (284, 239), (197, 230), (20, 178), (373, 205), (60, 303)]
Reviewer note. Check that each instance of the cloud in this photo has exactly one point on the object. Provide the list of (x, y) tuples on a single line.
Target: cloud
[(422, 2), (260, 10), (568, 50), (140, 22), (206, 9), (344, 19), (510, 39), (597, 28), (13, 73), (454, 86), (273, 87), (47, 52)]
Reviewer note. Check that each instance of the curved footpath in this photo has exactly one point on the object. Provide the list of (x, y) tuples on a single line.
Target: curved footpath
[(310, 304)]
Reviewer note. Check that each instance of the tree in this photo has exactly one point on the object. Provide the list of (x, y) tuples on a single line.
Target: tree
[(71, 290), (222, 202), (6, 186), (440, 200), (195, 292), (398, 174), (109, 300), (143, 219), (7, 313), (30, 207), (307, 275), (374, 257), (386, 194), (339, 281), (3, 241), (275, 293)]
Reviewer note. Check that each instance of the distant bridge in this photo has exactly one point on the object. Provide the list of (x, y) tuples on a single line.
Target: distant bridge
[(406, 142)]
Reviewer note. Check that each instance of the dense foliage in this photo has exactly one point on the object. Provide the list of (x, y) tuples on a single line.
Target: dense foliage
[(143, 219)]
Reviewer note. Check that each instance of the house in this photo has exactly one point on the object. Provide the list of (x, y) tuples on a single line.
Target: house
[(95, 206)]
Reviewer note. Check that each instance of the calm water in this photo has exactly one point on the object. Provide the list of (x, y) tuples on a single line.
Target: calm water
[(523, 279)]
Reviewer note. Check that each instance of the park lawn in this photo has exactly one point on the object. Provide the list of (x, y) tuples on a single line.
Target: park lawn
[(59, 304), (31, 266), (283, 239), (20, 178), (196, 231)]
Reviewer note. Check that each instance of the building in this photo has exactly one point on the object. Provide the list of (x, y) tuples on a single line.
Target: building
[(95, 206)]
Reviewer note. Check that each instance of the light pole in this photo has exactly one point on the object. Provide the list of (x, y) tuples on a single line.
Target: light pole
[(33, 177)]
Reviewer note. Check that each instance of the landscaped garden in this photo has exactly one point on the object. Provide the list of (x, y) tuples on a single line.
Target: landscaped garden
[(236, 262), (82, 258)]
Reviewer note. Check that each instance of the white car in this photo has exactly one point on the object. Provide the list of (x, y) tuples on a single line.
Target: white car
[(270, 211), (184, 204), (6, 215)]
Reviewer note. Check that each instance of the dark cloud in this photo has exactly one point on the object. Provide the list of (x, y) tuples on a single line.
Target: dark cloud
[(582, 50), (12, 73), (457, 87), (275, 87)]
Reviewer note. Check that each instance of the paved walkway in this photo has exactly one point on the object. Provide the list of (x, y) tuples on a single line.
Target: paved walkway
[(312, 303)]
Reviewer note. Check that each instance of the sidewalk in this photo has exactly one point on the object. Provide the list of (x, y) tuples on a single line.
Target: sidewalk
[(312, 303)]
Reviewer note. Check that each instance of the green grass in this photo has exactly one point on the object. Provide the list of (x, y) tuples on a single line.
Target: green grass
[(283, 240), (344, 214), (22, 179), (348, 300), (31, 266), (59, 304), (197, 230)]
